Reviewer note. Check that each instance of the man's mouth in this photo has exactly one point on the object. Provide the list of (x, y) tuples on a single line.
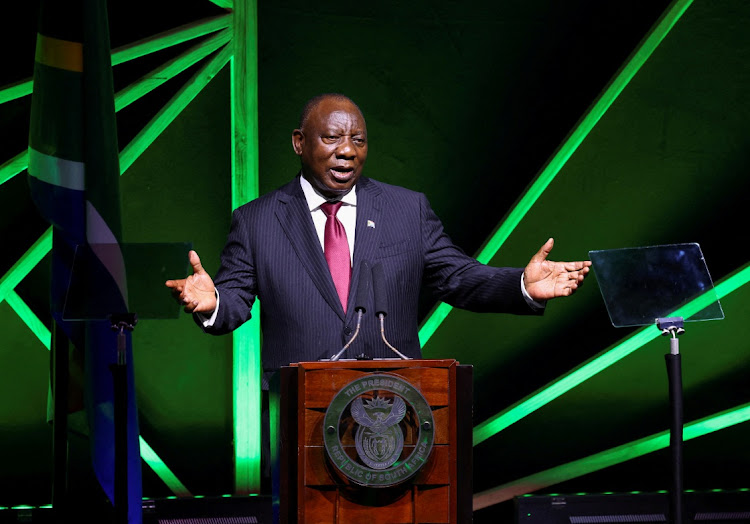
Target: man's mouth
[(341, 173)]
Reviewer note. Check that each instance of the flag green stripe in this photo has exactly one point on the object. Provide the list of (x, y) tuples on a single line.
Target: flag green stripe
[(101, 152), (57, 100)]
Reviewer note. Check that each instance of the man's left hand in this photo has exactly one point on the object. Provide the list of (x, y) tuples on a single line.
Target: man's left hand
[(545, 279)]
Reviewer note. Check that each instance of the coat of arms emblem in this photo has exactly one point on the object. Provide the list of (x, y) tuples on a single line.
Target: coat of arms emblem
[(379, 440), (379, 409)]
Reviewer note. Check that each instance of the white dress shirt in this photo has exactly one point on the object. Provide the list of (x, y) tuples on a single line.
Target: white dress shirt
[(347, 213)]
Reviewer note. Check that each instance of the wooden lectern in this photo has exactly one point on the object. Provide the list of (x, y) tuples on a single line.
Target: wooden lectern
[(374, 441)]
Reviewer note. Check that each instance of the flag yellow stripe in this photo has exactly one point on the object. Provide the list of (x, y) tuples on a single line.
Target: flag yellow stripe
[(62, 54)]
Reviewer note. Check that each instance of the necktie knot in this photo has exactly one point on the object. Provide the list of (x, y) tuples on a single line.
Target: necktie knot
[(331, 208)]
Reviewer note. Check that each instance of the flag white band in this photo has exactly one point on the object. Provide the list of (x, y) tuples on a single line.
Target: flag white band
[(56, 171)]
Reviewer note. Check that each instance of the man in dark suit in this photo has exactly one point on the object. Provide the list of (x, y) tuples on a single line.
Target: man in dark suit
[(304, 261)]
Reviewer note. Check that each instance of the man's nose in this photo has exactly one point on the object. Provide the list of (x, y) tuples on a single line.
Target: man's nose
[(346, 148)]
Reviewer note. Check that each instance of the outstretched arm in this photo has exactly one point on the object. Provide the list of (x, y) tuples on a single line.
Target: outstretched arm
[(545, 279), (196, 292)]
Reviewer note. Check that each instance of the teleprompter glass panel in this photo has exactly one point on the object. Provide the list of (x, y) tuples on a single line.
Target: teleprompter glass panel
[(97, 285), (642, 284)]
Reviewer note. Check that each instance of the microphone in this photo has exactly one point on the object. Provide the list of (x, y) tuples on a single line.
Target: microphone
[(378, 289), (363, 290), (363, 287), (381, 304)]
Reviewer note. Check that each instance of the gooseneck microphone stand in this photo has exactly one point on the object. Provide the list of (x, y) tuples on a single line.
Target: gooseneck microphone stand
[(381, 304), (337, 356), (363, 290), (673, 327)]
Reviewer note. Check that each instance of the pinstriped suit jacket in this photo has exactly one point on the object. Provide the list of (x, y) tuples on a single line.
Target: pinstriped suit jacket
[(273, 253)]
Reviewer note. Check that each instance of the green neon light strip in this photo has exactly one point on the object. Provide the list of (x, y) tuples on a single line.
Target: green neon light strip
[(170, 38), (246, 374), (609, 458), (513, 414), (244, 101), (14, 166), (15, 90), (247, 367), (172, 109), (25, 264), (161, 469), (621, 79), (169, 70), (32, 321), (137, 49), (227, 4)]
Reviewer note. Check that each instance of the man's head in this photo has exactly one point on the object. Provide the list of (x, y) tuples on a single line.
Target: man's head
[(331, 142)]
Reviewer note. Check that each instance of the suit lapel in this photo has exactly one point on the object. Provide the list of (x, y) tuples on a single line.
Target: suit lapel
[(294, 216), (367, 234)]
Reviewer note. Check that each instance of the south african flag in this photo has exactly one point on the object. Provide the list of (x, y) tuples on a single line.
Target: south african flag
[(74, 180)]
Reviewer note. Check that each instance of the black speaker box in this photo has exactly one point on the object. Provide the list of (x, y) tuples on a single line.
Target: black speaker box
[(209, 510), (712, 507)]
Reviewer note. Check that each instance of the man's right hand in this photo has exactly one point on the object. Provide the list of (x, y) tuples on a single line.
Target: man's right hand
[(196, 292)]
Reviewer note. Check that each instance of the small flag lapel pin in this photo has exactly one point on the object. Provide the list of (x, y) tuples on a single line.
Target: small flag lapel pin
[(371, 224)]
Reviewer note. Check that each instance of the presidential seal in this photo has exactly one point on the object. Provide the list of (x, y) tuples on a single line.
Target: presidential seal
[(378, 411)]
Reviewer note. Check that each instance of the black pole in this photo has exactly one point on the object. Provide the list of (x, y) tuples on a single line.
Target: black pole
[(674, 372), (60, 370), (120, 383), (120, 323)]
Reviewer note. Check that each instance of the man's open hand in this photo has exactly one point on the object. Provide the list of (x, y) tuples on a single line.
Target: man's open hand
[(545, 279), (196, 292)]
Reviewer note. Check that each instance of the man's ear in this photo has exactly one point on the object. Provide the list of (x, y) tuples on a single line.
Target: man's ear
[(298, 140)]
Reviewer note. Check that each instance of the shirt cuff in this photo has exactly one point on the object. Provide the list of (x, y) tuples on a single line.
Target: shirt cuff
[(533, 304), (206, 320)]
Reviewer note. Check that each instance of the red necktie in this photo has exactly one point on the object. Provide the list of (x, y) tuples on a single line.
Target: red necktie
[(336, 248)]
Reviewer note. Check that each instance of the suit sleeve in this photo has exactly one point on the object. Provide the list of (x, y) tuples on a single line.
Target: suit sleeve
[(462, 281), (236, 279)]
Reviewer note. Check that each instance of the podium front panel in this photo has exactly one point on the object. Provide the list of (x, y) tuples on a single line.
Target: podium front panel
[(378, 441)]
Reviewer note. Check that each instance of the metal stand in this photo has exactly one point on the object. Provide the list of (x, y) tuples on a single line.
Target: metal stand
[(673, 327), (120, 323), (60, 357)]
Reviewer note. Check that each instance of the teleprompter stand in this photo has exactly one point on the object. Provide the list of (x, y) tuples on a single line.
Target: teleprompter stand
[(112, 282), (673, 327), (665, 285), (121, 323)]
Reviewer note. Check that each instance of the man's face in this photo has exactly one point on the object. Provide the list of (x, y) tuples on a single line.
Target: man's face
[(332, 146)]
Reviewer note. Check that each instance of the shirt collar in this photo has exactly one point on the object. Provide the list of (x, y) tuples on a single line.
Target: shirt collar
[(315, 199)]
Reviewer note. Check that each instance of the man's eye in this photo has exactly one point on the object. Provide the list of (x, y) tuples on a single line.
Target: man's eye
[(359, 141)]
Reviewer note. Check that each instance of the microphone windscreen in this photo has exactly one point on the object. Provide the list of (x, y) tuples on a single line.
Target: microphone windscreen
[(363, 287), (378, 288)]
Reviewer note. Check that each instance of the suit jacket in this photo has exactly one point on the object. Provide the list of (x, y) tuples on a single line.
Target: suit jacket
[(273, 253)]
